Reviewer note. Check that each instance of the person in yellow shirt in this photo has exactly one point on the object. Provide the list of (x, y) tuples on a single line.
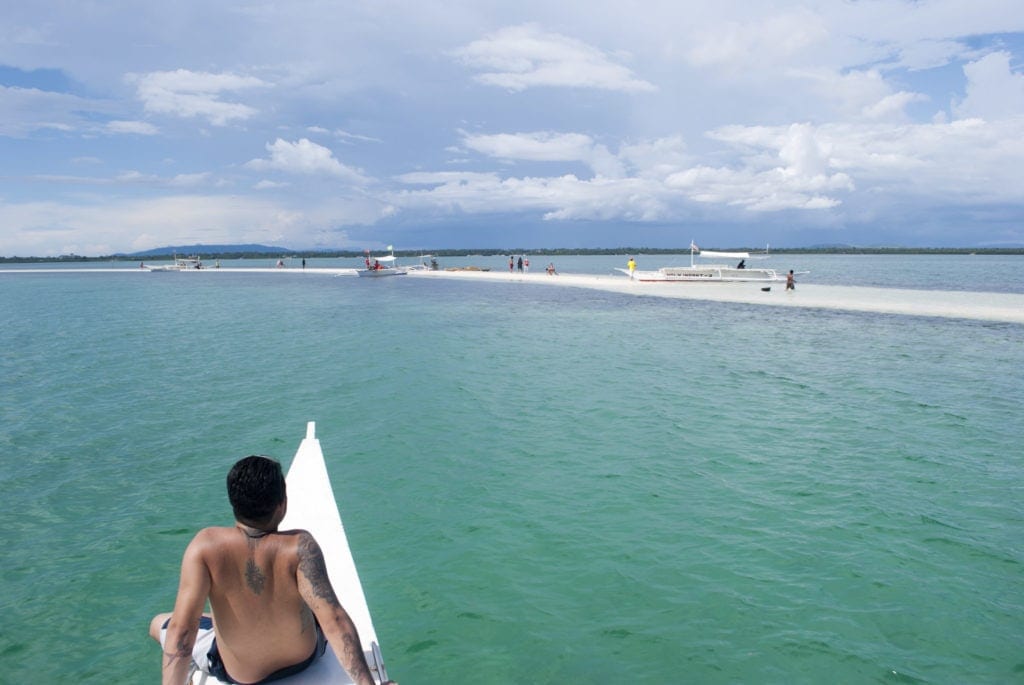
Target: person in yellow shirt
[(632, 266)]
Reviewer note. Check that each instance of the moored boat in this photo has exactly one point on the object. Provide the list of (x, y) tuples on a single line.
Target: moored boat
[(180, 264), (312, 507), (709, 271), (386, 265), (427, 263)]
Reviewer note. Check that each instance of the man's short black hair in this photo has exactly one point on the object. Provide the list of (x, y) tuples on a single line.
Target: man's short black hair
[(255, 488)]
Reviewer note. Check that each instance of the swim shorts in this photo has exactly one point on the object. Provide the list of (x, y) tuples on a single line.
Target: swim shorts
[(206, 657)]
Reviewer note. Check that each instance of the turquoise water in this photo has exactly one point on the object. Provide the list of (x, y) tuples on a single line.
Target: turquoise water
[(540, 485)]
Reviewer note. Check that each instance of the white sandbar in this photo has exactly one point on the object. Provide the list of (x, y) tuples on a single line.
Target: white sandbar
[(1006, 307), (953, 304)]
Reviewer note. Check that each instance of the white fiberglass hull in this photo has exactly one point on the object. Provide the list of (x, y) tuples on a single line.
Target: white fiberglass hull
[(387, 271), (705, 274)]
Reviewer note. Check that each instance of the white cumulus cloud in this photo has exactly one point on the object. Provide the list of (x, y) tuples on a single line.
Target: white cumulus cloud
[(304, 157), (521, 57), (557, 198), (993, 89), (546, 146), (190, 94)]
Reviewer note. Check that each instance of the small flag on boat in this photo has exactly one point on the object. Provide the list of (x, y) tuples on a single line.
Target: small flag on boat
[(693, 246), (391, 248)]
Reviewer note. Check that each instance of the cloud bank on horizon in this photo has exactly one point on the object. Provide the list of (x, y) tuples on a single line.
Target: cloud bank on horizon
[(468, 124)]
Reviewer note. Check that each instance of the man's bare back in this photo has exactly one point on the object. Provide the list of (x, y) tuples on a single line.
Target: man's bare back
[(262, 622), (265, 587)]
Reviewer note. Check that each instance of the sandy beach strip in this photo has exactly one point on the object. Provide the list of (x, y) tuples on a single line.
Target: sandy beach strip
[(1006, 307), (954, 304)]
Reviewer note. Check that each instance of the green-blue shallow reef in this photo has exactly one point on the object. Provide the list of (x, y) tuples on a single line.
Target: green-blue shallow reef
[(540, 485)]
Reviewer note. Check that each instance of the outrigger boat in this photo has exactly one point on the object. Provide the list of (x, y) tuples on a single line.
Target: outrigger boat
[(311, 506), (375, 266), (427, 263), (710, 272), (180, 264)]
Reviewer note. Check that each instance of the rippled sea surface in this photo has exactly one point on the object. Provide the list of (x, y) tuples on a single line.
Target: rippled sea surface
[(540, 485)]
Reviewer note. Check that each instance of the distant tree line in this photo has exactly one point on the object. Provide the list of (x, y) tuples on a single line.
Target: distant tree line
[(553, 252)]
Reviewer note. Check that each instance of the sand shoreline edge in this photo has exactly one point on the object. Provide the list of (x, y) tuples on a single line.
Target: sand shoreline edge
[(956, 304)]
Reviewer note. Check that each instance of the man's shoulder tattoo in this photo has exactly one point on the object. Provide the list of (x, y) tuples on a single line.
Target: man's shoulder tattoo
[(313, 566)]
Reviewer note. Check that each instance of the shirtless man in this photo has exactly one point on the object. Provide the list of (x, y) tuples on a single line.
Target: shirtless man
[(272, 601)]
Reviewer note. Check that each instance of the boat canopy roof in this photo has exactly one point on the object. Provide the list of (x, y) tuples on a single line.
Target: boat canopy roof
[(725, 255), (386, 258)]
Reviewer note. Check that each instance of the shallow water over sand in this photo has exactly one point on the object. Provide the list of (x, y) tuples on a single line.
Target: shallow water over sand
[(540, 484)]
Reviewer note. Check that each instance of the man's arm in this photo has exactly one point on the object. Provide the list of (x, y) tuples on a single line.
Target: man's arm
[(193, 589), (318, 593)]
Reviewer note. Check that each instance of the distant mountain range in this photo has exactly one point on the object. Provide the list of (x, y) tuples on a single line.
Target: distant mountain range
[(208, 250)]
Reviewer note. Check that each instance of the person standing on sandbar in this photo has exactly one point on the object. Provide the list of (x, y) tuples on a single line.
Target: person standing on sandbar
[(274, 608), (790, 281)]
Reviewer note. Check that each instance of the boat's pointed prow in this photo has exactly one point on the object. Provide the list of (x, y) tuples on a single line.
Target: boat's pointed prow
[(312, 506)]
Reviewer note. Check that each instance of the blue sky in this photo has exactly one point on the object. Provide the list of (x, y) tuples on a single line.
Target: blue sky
[(317, 124)]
